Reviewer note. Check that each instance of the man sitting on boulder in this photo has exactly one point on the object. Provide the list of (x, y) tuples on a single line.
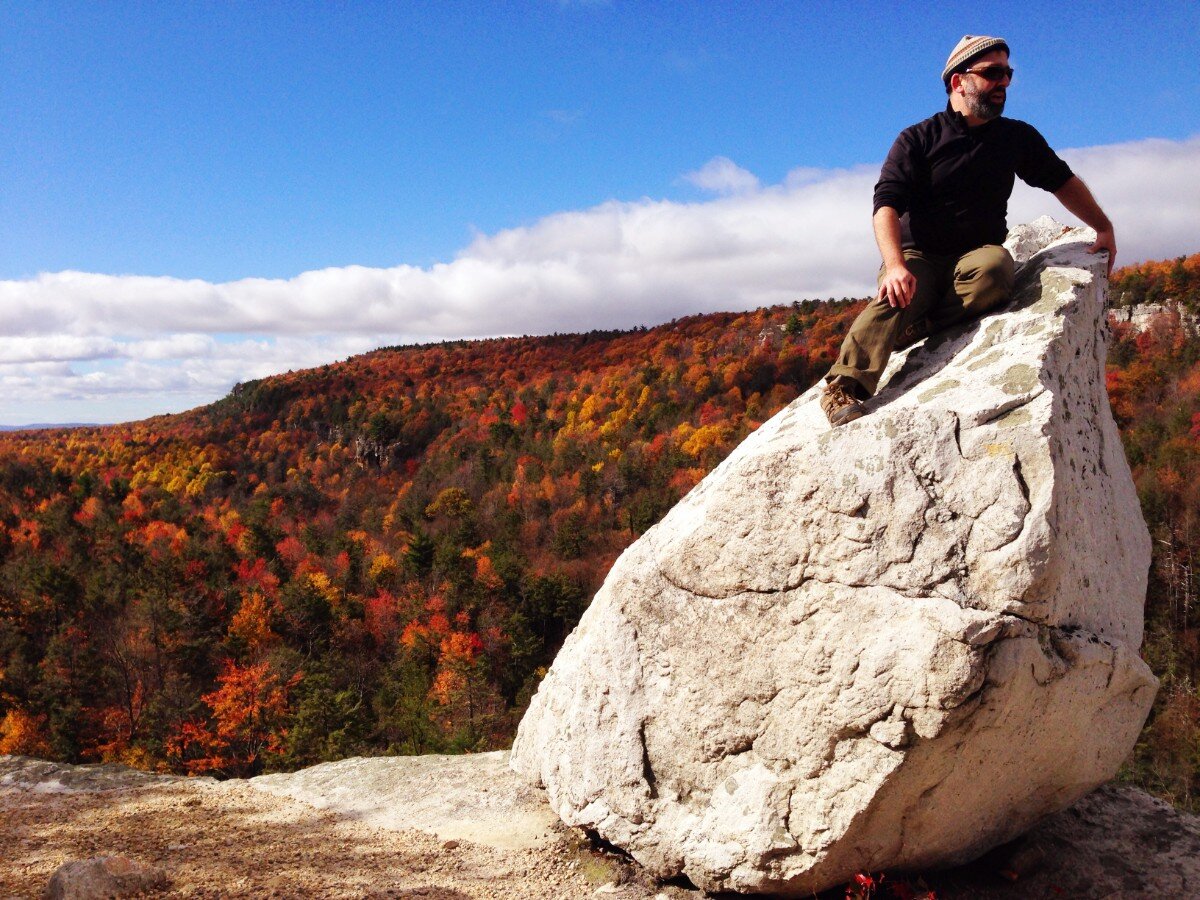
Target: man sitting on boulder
[(940, 220)]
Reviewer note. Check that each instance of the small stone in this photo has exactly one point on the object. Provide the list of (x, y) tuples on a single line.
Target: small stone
[(103, 877), (450, 845)]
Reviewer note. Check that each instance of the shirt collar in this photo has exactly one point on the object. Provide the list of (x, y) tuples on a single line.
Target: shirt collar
[(959, 122)]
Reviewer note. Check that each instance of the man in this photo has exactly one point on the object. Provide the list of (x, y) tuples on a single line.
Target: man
[(940, 220)]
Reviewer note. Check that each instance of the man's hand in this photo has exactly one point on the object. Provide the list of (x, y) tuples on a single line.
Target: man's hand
[(898, 286), (1106, 240), (1076, 197)]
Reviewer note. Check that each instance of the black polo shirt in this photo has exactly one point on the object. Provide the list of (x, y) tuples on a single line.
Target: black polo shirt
[(950, 183)]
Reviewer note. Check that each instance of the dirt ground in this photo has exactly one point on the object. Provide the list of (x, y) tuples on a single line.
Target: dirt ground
[(231, 841), (348, 838)]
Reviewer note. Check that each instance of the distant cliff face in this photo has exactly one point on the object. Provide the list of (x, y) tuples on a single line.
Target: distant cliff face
[(893, 644), (1143, 315)]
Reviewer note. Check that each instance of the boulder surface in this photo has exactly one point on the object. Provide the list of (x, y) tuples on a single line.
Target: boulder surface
[(892, 645)]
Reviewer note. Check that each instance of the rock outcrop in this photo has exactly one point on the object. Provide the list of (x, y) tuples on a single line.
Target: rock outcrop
[(891, 645), (1144, 315)]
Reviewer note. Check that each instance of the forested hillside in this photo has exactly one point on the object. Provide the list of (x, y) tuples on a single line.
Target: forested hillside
[(383, 555), (1153, 282), (376, 556), (1154, 388)]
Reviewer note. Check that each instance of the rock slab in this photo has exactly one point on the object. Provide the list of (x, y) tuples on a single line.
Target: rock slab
[(474, 797), (892, 645)]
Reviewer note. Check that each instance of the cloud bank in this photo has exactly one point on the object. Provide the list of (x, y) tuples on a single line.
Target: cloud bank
[(91, 347)]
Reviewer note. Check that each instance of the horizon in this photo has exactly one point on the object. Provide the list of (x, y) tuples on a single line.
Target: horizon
[(205, 196), (616, 331)]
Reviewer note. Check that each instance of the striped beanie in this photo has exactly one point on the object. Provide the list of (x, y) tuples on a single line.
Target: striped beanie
[(971, 46)]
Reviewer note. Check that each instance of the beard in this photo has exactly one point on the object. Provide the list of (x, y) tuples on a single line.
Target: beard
[(987, 105)]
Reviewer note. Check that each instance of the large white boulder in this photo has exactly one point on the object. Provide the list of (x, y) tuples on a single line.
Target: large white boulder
[(891, 645)]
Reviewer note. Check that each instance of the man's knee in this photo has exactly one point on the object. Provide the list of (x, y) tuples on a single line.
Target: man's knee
[(983, 278)]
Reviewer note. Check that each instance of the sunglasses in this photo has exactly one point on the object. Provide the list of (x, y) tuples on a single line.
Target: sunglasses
[(992, 73)]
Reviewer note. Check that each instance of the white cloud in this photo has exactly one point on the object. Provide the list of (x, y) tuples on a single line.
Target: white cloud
[(722, 175), (55, 347), (120, 345), (1150, 189)]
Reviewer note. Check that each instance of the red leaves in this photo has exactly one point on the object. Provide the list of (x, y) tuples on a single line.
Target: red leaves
[(291, 551), (864, 885), (254, 574), (381, 617)]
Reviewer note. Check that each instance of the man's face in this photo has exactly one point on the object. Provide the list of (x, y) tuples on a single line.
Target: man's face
[(985, 98)]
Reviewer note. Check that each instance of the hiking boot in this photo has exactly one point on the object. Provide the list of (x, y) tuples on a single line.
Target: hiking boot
[(840, 402), (913, 332)]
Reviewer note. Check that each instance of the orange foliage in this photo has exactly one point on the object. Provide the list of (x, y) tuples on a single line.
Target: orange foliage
[(22, 734), (251, 623), (248, 711)]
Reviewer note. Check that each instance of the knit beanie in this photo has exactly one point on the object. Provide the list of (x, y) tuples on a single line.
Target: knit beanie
[(970, 47)]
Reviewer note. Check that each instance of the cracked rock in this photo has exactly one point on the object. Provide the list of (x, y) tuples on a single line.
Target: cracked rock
[(895, 644)]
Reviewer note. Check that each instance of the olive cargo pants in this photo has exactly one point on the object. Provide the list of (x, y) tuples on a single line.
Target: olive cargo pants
[(950, 289)]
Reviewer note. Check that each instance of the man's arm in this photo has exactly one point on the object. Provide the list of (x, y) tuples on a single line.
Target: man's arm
[(1078, 200), (898, 283)]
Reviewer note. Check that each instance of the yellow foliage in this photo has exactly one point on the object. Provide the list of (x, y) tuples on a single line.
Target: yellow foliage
[(615, 422), (588, 411), (197, 485), (451, 502), (320, 582), (704, 437), (382, 566)]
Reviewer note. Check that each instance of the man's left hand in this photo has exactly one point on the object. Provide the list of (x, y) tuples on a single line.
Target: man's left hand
[(1076, 197), (1106, 240)]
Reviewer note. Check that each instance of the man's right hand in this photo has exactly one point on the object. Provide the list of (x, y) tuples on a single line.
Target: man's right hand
[(898, 286)]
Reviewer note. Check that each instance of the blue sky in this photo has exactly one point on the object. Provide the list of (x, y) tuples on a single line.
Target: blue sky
[(192, 161)]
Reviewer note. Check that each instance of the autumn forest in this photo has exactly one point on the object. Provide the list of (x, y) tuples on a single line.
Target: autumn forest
[(383, 555)]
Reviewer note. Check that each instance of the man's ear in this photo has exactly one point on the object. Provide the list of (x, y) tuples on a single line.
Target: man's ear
[(956, 83)]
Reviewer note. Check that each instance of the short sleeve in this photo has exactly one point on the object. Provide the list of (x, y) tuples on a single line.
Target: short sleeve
[(1038, 165)]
